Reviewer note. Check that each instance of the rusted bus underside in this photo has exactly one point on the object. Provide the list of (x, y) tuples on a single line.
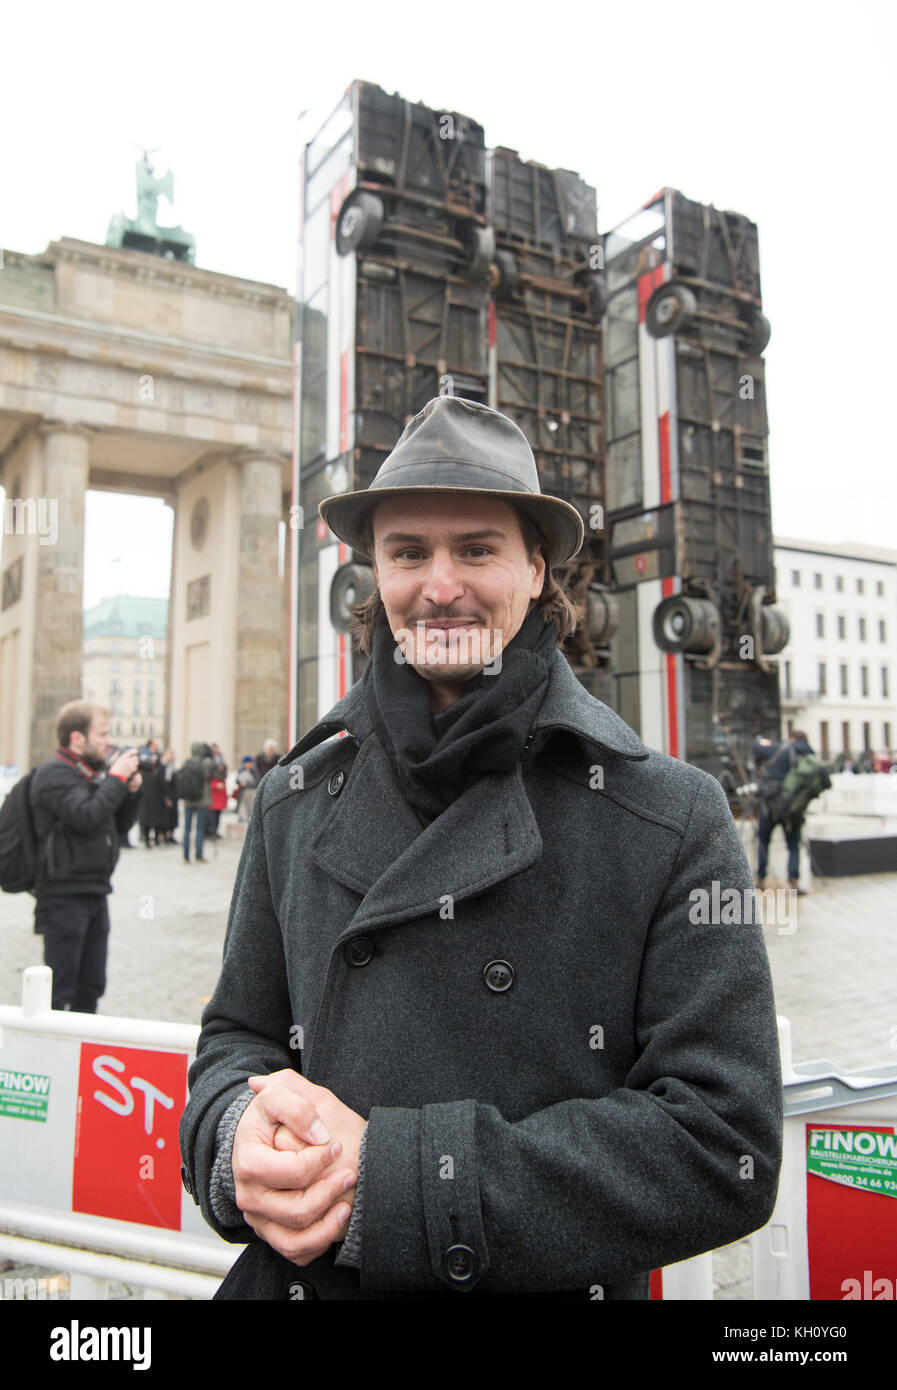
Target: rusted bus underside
[(547, 368)]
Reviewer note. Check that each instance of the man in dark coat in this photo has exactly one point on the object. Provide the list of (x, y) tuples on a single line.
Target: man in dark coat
[(79, 813), (268, 757), (470, 1034), (775, 771)]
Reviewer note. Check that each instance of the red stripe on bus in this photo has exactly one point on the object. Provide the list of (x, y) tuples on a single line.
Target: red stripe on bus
[(663, 430), (647, 284), (672, 689)]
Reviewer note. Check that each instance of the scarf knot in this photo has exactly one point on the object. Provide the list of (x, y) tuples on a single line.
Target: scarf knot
[(437, 757)]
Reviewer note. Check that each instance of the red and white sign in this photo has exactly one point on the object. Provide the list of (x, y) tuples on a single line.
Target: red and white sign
[(127, 1164)]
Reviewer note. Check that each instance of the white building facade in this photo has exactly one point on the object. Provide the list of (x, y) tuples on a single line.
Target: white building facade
[(837, 673)]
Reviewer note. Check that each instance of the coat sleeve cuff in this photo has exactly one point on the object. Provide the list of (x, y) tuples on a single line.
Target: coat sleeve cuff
[(222, 1188), (423, 1222)]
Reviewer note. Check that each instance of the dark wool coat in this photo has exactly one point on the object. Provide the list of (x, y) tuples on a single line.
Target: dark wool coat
[(605, 1102), (152, 812)]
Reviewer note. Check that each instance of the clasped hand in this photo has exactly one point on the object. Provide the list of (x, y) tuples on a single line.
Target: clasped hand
[(295, 1156)]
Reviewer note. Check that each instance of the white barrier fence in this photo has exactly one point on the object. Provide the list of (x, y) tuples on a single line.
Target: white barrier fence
[(89, 1159), (89, 1114), (863, 794)]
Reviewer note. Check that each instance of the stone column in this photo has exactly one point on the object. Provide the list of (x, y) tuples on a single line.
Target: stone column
[(261, 668), (57, 663)]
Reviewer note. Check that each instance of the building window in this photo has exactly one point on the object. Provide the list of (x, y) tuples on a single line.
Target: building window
[(843, 680), (867, 738), (860, 586), (133, 728), (115, 688), (823, 737), (845, 736), (839, 583), (862, 629), (787, 680), (886, 734), (885, 684), (879, 588), (820, 624), (842, 627), (882, 630), (864, 680), (817, 581), (790, 727), (823, 678), (115, 666), (795, 579)]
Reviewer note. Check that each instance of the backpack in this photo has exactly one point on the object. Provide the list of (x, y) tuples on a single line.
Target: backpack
[(18, 841), (807, 778), (190, 781)]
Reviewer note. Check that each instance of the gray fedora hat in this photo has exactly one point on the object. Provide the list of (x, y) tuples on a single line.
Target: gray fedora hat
[(462, 446)]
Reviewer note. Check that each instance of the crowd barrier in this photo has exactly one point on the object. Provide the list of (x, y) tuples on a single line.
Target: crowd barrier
[(90, 1167), (90, 1179), (833, 1234)]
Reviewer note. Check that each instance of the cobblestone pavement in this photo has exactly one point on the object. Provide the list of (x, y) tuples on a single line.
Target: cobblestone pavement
[(833, 977)]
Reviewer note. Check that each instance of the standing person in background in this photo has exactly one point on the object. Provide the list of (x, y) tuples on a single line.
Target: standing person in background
[(247, 781), (268, 757), (169, 797), (194, 789), (774, 774), (79, 811), (151, 812), (218, 787)]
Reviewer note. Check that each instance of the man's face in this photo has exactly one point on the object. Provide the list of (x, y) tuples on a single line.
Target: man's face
[(92, 745), (458, 565)]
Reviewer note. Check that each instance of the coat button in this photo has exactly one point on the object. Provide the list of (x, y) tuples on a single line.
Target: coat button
[(499, 975), (298, 1290), (359, 950), (460, 1264), (335, 785)]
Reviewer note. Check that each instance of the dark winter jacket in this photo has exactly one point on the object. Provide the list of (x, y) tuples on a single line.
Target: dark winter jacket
[(79, 816), (522, 989), (200, 752), (777, 769)]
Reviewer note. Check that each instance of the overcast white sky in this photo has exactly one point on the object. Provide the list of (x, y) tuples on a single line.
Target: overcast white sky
[(783, 111)]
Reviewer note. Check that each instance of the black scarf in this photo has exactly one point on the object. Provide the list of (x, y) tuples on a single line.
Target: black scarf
[(437, 757)]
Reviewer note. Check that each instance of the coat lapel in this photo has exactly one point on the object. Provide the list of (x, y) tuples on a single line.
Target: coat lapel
[(373, 842)]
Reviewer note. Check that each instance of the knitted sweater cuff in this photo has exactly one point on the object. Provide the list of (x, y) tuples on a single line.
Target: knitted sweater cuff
[(350, 1250), (222, 1188)]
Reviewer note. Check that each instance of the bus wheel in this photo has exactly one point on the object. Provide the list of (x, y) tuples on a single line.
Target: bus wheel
[(360, 219), (759, 334), (350, 584), (505, 274), (481, 249), (670, 309)]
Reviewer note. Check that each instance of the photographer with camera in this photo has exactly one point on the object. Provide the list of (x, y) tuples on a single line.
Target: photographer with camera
[(81, 804)]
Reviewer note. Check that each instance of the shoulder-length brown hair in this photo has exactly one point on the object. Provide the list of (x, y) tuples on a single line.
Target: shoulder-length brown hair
[(553, 602)]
